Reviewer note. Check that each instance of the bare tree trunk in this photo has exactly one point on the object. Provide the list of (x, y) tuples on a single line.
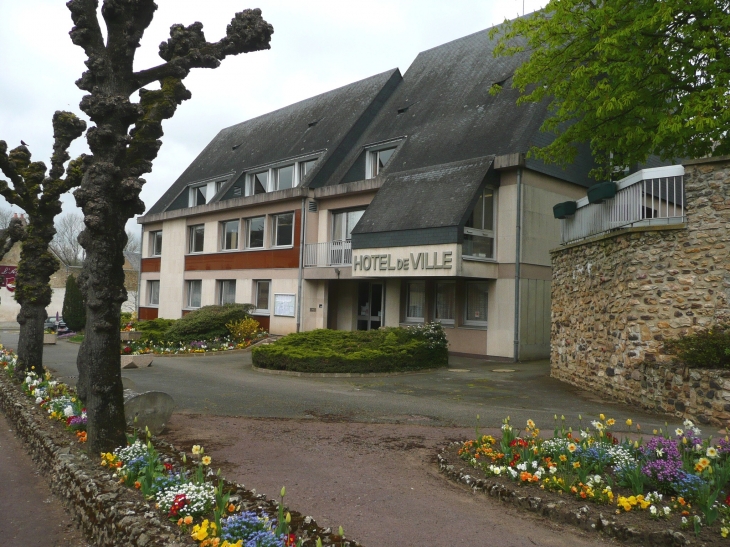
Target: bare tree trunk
[(30, 342)]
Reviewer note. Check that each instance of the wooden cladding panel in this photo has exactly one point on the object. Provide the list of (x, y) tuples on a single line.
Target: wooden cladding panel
[(249, 260), (151, 264), (145, 314), (264, 321)]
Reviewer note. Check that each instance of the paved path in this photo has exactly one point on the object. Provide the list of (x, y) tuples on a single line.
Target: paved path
[(360, 451)]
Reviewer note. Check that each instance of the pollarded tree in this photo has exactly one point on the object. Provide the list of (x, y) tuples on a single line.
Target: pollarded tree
[(9, 236), (74, 309), (630, 77), (124, 142), (38, 195)]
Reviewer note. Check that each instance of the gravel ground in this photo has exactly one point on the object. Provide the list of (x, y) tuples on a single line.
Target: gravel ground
[(379, 481)]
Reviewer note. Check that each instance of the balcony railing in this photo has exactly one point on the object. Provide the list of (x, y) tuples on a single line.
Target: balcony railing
[(648, 197), (329, 253)]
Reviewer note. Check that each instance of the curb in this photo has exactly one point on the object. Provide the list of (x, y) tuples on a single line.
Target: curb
[(340, 374), (586, 518)]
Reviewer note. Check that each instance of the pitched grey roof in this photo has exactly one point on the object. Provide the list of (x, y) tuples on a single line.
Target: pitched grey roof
[(330, 123), (437, 197), (445, 113)]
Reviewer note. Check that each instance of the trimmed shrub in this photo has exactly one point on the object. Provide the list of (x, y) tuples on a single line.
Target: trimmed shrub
[(709, 348), (207, 322), (74, 309), (154, 330), (382, 350)]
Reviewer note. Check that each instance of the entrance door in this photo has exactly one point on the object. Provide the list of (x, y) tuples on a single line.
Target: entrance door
[(369, 305)]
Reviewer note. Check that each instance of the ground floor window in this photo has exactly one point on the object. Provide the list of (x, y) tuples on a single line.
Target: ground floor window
[(226, 291), (263, 289), (194, 290), (476, 303), (153, 293), (415, 301), (444, 310)]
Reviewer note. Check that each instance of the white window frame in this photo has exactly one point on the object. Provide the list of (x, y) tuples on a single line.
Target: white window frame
[(371, 154), (272, 183), (486, 233), (414, 319), (472, 322), (189, 293), (275, 229), (193, 192), (247, 242), (258, 310), (150, 292), (191, 239), (154, 251), (221, 283), (344, 212), (223, 234)]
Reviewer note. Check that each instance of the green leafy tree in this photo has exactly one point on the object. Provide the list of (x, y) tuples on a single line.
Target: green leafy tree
[(630, 77), (124, 140), (74, 307)]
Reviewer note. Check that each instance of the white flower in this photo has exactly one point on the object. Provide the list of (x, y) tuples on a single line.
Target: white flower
[(667, 510), (28, 379), (553, 470), (698, 448), (584, 434), (534, 465), (38, 400), (711, 452), (652, 509), (688, 423), (684, 520), (679, 432), (522, 466), (659, 452), (68, 411), (597, 425), (696, 430)]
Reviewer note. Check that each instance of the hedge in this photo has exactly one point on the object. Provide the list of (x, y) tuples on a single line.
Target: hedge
[(207, 323), (382, 350)]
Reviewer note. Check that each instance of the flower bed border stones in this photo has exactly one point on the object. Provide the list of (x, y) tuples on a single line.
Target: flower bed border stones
[(589, 517), (110, 513)]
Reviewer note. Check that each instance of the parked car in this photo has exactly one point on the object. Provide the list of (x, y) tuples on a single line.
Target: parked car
[(59, 327)]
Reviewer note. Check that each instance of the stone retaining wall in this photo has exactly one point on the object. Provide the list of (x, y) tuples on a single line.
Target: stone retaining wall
[(617, 297)]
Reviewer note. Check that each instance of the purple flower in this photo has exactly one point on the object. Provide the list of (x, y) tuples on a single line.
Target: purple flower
[(664, 463)]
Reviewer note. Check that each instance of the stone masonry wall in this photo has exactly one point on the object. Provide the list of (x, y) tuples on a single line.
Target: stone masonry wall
[(616, 298)]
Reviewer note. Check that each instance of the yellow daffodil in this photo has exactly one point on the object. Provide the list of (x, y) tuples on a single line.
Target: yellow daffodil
[(629, 422), (602, 417), (206, 460), (197, 449), (711, 452)]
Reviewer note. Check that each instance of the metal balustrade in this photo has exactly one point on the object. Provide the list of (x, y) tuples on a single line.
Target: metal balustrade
[(329, 253), (648, 197)]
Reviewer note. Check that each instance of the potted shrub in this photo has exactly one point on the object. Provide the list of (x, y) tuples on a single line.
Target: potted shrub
[(49, 336)]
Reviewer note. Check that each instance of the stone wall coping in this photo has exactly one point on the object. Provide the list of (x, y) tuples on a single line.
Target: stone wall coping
[(620, 232), (699, 161)]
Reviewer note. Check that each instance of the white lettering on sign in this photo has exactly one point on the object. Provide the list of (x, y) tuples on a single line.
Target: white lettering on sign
[(416, 261)]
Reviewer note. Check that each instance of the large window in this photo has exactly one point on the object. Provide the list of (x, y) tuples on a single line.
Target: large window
[(255, 232), (343, 223), (415, 301), (261, 295), (229, 235), (445, 302), (156, 243), (194, 291), (284, 230), (153, 293), (476, 304), (378, 159), (197, 236), (226, 291), (479, 229)]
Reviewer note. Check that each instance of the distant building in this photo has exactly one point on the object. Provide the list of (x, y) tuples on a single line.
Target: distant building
[(393, 200)]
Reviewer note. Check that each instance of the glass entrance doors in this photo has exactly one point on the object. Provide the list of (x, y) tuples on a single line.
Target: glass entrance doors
[(369, 305)]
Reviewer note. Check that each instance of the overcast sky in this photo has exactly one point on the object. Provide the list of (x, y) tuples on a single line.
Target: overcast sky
[(317, 45)]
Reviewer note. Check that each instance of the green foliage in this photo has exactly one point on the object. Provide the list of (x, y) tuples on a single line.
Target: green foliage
[(708, 348), (207, 322), (244, 329), (630, 78), (127, 317), (154, 330), (74, 308), (382, 350)]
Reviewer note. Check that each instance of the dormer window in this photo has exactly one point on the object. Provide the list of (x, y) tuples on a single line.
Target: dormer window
[(197, 195), (202, 193), (278, 177), (377, 158)]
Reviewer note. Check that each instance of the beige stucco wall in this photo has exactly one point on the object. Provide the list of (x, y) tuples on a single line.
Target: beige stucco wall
[(392, 302), (172, 267), (501, 304)]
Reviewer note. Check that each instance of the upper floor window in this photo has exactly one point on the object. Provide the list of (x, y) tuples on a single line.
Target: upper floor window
[(278, 177), (197, 195), (377, 160), (255, 232), (153, 293), (196, 235), (479, 228), (156, 243), (343, 224), (229, 235), (284, 230), (218, 185)]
